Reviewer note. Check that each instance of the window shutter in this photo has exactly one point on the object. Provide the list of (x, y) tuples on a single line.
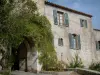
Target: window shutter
[(71, 41), (79, 42), (55, 17), (81, 22), (66, 19), (97, 45), (59, 41), (86, 23)]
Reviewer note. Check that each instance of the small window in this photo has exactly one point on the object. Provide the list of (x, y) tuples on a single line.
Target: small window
[(74, 41), (83, 23), (98, 45), (60, 42), (60, 17)]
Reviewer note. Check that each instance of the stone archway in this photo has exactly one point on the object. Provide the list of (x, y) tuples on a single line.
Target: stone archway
[(20, 54)]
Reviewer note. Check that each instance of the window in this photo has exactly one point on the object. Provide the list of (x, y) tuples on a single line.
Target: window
[(98, 45), (60, 42), (60, 17), (74, 41), (83, 23)]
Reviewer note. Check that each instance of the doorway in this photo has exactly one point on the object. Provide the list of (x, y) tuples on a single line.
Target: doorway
[(19, 55)]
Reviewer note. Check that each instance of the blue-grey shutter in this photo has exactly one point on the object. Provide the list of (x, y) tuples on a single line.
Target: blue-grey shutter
[(81, 23), (61, 42), (55, 17), (79, 42), (97, 45), (66, 20), (86, 23), (58, 41), (71, 41)]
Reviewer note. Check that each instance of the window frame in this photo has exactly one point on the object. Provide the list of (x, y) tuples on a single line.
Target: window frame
[(59, 13), (60, 42), (75, 42), (97, 45), (83, 23)]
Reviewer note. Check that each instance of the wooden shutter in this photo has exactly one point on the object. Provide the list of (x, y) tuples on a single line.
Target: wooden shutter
[(81, 22), (86, 23), (71, 45), (59, 41), (97, 45), (66, 20), (79, 42), (55, 17)]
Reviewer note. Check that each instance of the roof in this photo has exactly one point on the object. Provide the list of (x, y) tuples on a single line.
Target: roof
[(68, 9), (97, 29)]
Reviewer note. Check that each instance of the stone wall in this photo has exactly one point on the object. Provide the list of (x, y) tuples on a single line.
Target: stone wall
[(84, 71), (97, 38), (87, 42)]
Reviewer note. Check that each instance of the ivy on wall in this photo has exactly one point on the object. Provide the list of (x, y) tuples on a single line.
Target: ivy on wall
[(21, 18)]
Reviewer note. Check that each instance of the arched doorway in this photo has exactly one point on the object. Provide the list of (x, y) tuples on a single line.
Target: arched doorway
[(21, 54)]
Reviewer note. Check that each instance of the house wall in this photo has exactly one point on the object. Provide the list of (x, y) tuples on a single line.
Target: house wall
[(87, 52), (97, 38), (87, 42)]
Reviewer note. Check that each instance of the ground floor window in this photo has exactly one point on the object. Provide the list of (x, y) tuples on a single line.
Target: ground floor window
[(98, 45), (74, 41), (60, 41)]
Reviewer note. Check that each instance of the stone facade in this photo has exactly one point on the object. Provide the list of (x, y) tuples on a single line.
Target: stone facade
[(85, 52), (96, 35), (88, 36)]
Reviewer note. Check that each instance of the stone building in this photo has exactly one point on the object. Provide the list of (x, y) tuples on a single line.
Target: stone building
[(73, 34)]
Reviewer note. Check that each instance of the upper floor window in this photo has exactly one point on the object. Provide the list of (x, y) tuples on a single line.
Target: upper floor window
[(83, 23), (98, 45), (60, 18), (60, 41), (74, 41)]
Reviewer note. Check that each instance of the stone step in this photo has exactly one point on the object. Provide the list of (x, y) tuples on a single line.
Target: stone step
[(29, 73)]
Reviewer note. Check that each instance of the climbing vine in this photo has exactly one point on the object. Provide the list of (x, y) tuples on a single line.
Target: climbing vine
[(21, 20), (43, 38)]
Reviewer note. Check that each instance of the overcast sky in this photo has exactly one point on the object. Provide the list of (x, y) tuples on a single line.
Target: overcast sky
[(88, 6)]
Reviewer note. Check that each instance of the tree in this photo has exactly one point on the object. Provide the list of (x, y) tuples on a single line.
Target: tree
[(19, 19)]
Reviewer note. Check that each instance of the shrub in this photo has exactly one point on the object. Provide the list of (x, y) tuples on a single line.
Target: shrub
[(95, 66), (58, 66), (76, 62), (5, 72)]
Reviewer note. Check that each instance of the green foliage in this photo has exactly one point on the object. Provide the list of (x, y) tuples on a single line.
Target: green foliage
[(76, 63), (43, 38), (60, 66), (13, 26), (57, 66), (26, 21), (95, 66), (5, 72)]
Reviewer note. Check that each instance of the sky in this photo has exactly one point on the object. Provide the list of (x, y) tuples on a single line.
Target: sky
[(87, 6)]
